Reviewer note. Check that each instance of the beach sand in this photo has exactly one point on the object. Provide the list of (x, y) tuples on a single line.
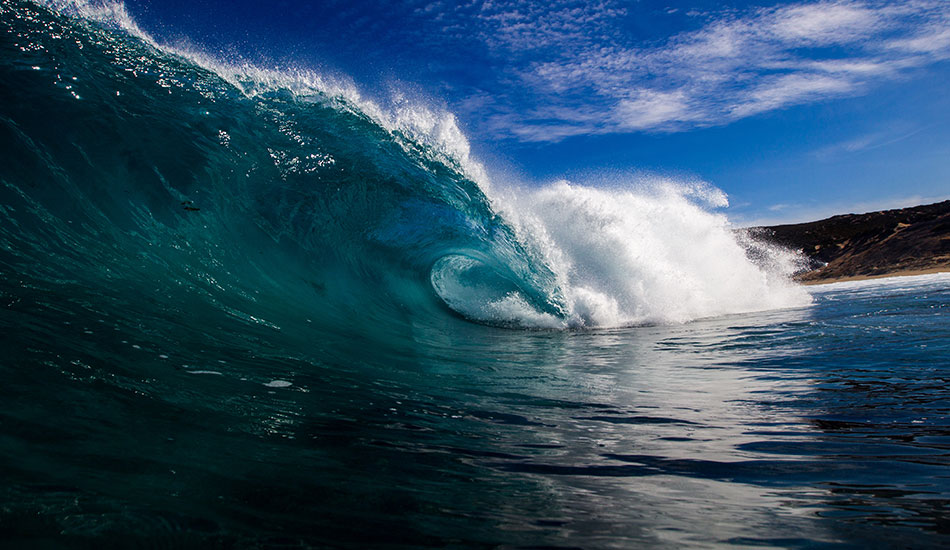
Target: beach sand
[(900, 273)]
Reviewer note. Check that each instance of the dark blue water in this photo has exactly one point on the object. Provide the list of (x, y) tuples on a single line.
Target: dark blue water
[(241, 314)]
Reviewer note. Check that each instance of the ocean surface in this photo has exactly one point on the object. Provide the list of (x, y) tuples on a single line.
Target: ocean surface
[(251, 308)]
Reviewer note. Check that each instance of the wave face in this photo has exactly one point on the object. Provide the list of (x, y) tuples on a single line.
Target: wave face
[(158, 182)]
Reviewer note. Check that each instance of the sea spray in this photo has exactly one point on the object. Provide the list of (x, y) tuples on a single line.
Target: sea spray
[(647, 251)]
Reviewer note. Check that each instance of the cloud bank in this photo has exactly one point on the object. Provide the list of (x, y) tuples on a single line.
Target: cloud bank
[(568, 68)]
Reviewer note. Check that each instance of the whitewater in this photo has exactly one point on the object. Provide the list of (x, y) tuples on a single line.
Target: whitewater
[(251, 307)]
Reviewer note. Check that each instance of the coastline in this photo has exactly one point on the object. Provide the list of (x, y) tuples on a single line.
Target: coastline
[(899, 273), (874, 245)]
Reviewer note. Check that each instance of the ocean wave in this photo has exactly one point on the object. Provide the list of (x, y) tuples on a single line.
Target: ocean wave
[(160, 179)]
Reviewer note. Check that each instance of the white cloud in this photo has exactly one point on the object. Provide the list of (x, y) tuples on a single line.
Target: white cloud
[(649, 109), (823, 23), (581, 72), (932, 41), (788, 89)]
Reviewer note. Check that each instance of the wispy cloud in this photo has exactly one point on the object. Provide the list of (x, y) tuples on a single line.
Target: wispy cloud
[(867, 142), (572, 68)]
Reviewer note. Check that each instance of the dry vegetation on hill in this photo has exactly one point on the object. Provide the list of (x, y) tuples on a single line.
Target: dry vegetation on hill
[(891, 242)]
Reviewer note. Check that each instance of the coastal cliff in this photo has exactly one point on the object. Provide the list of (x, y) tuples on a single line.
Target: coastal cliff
[(855, 246)]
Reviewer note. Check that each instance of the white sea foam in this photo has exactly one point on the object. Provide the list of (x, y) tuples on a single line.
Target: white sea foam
[(656, 252)]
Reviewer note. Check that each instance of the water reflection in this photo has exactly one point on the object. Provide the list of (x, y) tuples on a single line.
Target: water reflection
[(823, 426), (647, 435), (788, 428)]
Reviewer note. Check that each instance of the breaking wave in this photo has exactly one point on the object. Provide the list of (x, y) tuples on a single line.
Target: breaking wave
[(162, 182)]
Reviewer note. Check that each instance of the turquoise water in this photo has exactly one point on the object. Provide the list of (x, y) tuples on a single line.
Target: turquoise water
[(244, 308)]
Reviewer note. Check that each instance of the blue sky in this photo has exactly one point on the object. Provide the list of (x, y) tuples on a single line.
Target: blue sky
[(797, 110)]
